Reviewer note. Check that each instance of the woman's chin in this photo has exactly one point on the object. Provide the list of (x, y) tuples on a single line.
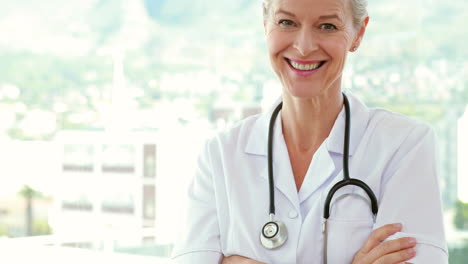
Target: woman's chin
[(303, 92)]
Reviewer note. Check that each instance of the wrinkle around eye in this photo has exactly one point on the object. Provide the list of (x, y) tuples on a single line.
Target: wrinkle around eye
[(286, 23), (332, 29)]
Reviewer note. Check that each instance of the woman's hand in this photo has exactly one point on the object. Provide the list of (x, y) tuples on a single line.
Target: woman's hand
[(239, 260), (375, 251)]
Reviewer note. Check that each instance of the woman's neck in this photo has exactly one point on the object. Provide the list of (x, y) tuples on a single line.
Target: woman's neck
[(307, 123)]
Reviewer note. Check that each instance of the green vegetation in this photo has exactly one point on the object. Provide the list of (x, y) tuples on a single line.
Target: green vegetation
[(3, 230), (29, 195), (41, 227), (461, 215), (458, 255)]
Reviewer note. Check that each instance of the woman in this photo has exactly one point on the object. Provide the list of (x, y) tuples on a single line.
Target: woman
[(308, 42)]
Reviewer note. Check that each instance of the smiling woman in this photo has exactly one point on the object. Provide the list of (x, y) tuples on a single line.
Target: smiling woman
[(326, 151), (105, 104), (317, 38)]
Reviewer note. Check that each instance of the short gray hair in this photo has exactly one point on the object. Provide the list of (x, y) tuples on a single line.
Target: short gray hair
[(358, 7)]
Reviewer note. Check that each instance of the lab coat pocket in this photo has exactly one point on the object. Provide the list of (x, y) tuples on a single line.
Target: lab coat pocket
[(350, 224), (346, 238)]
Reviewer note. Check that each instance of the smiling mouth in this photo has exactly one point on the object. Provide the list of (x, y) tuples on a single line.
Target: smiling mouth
[(305, 67)]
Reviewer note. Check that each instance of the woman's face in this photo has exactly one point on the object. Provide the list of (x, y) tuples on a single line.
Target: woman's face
[(308, 41)]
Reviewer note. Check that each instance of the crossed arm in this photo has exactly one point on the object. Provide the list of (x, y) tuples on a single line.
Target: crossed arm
[(419, 212), (374, 251)]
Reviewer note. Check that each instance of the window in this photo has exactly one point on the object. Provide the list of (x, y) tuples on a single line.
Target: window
[(118, 158), (78, 158)]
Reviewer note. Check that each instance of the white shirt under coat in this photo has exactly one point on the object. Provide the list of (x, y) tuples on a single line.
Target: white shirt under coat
[(229, 200)]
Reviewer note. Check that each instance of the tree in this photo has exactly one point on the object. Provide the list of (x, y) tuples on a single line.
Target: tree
[(461, 215), (41, 227), (29, 194)]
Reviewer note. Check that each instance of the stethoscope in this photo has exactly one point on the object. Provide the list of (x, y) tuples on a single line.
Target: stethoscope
[(274, 233)]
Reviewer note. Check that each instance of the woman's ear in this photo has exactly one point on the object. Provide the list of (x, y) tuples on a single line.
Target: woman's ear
[(360, 34)]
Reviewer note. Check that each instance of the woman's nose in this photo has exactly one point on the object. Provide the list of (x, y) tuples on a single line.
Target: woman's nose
[(305, 42)]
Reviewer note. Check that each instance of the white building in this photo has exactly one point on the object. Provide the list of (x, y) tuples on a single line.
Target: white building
[(105, 195)]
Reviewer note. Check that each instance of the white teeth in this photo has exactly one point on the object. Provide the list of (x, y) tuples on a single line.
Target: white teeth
[(304, 67)]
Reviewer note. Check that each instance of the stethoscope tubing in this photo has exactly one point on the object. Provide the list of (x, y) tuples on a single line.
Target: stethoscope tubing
[(271, 182), (345, 182)]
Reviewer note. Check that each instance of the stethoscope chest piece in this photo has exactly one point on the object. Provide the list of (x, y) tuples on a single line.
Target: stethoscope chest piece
[(273, 235)]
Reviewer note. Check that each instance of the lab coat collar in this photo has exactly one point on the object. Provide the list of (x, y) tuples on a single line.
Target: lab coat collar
[(257, 145), (258, 138), (257, 142), (359, 120)]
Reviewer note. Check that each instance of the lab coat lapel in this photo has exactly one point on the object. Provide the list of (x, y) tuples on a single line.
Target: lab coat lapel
[(359, 120), (320, 169), (322, 166), (282, 171), (257, 140)]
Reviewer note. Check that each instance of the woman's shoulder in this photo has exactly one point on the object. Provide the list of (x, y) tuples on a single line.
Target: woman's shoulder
[(393, 120), (384, 124), (239, 134), (396, 127)]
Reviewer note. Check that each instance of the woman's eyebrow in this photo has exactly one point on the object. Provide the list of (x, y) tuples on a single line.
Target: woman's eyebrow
[(282, 11), (333, 16), (330, 17)]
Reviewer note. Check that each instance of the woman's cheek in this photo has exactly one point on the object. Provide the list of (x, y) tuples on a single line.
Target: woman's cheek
[(274, 41)]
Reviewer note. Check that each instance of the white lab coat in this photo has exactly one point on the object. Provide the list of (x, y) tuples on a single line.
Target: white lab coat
[(228, 198)]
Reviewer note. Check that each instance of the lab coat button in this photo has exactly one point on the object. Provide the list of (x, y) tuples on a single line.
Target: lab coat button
[(292, 214)]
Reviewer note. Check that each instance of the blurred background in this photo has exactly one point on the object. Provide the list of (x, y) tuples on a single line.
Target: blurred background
[(104, 105)]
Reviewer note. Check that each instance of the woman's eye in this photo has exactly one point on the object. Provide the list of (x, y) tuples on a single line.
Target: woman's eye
[(285, 23), (328, 27)]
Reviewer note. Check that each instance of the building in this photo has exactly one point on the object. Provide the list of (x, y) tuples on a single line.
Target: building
[(106, 192)]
